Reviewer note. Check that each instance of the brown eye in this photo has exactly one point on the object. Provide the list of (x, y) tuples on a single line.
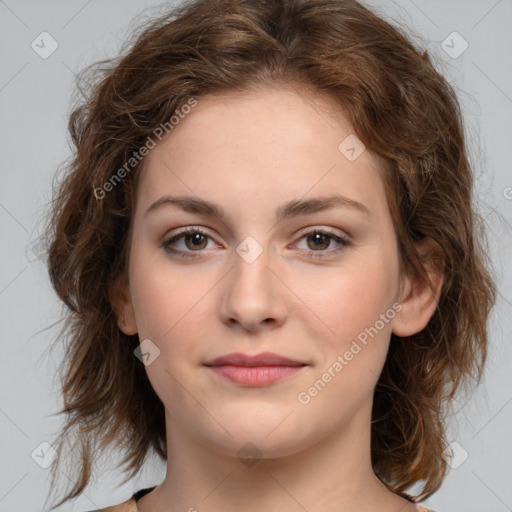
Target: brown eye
[(196, 241), (318, 240), (187, 241)]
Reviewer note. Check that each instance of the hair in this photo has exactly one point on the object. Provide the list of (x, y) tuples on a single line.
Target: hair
[(398, 105)]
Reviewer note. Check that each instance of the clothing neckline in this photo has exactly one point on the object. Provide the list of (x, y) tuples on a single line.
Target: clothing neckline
[(417, 507), (138, 495)]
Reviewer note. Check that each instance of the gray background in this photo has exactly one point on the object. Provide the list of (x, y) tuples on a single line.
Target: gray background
[(35, 100)]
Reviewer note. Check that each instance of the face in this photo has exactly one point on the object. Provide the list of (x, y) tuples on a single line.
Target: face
[(303, 264)]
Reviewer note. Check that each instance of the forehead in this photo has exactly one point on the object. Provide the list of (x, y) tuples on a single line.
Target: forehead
[(270, 143)]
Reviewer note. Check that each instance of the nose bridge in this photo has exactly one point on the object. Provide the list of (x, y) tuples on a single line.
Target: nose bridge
[(252, 295)]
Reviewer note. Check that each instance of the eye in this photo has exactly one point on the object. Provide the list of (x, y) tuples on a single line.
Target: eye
[(318, 240), (194, 239)]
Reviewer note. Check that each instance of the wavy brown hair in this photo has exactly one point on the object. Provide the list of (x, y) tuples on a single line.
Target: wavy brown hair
[(397, 104)]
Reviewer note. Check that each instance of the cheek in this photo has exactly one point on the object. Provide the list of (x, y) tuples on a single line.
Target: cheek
[(170, 308), (350, 299), (351, 329), (164, 298), (175, 310), (352, 340)]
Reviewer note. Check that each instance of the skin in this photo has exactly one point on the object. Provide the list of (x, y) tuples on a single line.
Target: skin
[(250, 154)]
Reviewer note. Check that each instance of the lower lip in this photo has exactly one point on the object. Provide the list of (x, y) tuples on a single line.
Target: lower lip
[(255, 375)]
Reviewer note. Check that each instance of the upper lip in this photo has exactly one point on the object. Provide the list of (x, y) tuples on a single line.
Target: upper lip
[(263, 359)]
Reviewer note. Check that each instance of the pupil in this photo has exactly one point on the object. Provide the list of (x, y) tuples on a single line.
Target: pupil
[(197, 240), (318, 239)]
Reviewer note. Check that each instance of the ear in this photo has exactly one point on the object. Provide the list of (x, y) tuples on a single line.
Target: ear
[(419, 299), (121, 301)]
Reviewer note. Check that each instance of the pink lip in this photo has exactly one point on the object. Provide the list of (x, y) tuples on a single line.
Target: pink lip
[(257, 370)]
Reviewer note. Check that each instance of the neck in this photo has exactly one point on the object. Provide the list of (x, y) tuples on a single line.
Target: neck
[(334, 474)]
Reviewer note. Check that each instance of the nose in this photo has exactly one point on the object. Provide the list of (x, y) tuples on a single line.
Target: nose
[(254, 295)]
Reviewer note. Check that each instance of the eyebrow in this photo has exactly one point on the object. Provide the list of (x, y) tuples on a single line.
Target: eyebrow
[(293, 208)]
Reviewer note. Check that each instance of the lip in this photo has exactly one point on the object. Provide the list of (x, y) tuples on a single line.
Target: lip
[(263, 359), (254, 370)]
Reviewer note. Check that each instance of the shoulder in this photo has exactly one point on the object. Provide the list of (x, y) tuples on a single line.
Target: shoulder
[(127, 506)]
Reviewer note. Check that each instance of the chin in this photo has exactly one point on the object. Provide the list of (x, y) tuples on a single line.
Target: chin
[(252, 446), (267, 433)]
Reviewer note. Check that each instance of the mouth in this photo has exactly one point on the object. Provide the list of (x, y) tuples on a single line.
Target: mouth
[(254, 370)]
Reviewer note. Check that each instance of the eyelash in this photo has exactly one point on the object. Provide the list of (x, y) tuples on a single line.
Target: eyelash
[(343, 241)]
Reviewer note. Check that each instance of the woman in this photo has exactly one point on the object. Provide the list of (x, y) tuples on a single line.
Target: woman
[(266, 243)]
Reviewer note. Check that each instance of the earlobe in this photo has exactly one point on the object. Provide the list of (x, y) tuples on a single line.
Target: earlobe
[(128, 327), (120, 299), (419, 299)]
